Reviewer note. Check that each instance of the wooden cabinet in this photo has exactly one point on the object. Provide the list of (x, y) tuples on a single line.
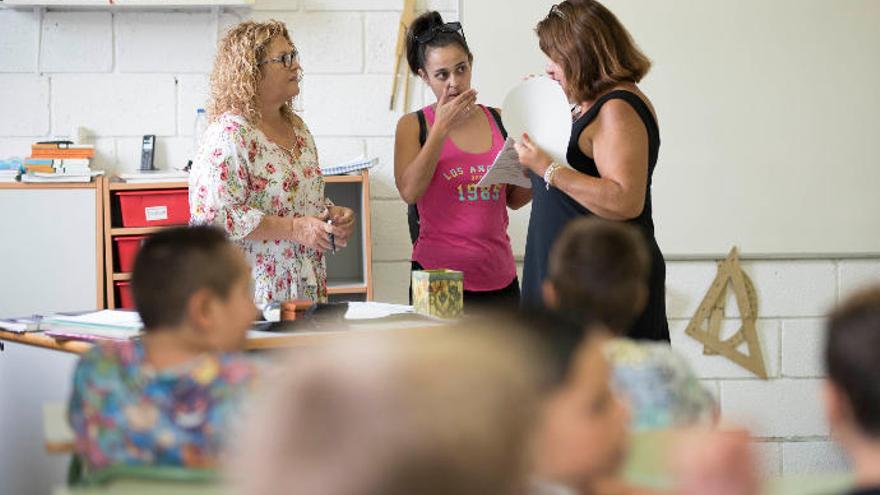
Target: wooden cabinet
[(53, 255), (349, 271)]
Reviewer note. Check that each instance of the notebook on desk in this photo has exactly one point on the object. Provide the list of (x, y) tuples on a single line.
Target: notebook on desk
[(94, 326)]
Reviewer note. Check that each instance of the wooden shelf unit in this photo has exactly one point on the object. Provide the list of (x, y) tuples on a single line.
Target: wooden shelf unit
[(349, 272), (99, 185)]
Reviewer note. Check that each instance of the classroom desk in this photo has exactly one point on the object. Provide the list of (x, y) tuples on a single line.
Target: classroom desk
[(58, 439), (255, 341)]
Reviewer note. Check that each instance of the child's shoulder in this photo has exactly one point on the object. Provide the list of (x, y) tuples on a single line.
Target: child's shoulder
[(237, 369), (108, 363), (121, 352)]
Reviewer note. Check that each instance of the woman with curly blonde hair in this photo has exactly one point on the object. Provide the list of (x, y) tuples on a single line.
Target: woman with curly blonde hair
[(256, 172)]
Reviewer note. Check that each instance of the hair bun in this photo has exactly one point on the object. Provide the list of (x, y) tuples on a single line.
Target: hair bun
[(426, 22)]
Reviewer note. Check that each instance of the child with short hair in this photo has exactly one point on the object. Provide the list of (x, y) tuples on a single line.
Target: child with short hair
[(852, 390), (582, 434), (436, 412), (167, 397), (598, 269)]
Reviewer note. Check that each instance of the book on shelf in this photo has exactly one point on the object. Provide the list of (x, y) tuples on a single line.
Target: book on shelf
[(71, 162), (58, 162), (62, 146), (72, 170), (38, 168), (62, 154), (350, 166), (47, 169), (62, 151), (60, 174)]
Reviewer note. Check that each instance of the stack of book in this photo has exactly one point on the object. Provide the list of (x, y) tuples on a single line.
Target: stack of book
[(59, 162)]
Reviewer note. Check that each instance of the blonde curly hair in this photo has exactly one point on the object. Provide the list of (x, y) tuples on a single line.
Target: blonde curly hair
[(236, 75)]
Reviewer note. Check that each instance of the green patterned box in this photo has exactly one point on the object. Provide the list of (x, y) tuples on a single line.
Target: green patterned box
[(438, 292)]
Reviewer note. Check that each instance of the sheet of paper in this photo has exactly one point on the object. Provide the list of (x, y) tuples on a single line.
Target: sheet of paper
[(260, 334), (112, 318), (374, 310), (506, 169), (538, 106)]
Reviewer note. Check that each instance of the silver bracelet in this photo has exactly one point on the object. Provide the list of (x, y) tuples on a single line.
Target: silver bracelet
[(548, 174)]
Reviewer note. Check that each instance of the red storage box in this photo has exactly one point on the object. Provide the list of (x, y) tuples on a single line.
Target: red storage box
[(126, 250), (154, 207), (125, 300)]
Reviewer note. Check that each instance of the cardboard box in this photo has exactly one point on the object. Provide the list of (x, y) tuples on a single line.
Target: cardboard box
[(438, 292)]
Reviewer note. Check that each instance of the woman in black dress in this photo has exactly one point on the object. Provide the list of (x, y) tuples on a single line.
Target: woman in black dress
[(612, 150)]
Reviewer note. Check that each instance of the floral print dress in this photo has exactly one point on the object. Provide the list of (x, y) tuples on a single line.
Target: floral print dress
[(239, 176), (123, 411)]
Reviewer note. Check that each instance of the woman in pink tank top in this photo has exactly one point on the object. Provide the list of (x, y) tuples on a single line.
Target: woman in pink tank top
[(440, 154)]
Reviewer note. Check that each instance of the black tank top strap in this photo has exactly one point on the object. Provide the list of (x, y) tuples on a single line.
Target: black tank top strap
[(634, 101)]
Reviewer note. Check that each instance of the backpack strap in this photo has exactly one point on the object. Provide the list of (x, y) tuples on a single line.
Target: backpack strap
[(497, 117), (423, 127), (412, 211)]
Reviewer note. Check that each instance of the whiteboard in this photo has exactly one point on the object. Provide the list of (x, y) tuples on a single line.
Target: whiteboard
[(768, 115)]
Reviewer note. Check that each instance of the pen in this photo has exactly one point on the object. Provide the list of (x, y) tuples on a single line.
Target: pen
[(332, 238)]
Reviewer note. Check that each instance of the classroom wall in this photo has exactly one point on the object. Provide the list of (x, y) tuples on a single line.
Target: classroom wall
[(123, 74)]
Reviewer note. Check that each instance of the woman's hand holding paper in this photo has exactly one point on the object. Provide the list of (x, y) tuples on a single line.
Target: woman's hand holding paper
[(532, 156)]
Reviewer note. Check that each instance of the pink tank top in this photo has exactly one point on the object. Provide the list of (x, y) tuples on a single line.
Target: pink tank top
[(464, 227)]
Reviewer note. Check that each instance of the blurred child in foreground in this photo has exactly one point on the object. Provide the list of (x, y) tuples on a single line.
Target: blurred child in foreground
[(167, 398)]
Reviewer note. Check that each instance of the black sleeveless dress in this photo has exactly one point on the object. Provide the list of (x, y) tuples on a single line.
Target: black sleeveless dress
[(552, 210)]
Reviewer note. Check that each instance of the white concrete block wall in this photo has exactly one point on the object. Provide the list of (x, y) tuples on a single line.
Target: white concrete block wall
[(785, 412), (18, 41), (28, 94), (122, 74), (165, 42), (77, 42)]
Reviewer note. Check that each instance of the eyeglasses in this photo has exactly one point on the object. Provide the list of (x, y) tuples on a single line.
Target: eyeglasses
[(286, 60), (555, 10), (449, 27)]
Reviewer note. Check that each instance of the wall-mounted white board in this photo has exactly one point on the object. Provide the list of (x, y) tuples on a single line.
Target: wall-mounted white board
[(769, 116)]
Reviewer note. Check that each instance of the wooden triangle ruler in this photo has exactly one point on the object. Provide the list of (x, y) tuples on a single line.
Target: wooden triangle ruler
[(407, 15), (705, 326)]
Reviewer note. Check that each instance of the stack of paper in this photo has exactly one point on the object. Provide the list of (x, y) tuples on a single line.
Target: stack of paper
[(145, 177), (350, 166), (8, 175), (373, 310), (61, 176), (101, 325)]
